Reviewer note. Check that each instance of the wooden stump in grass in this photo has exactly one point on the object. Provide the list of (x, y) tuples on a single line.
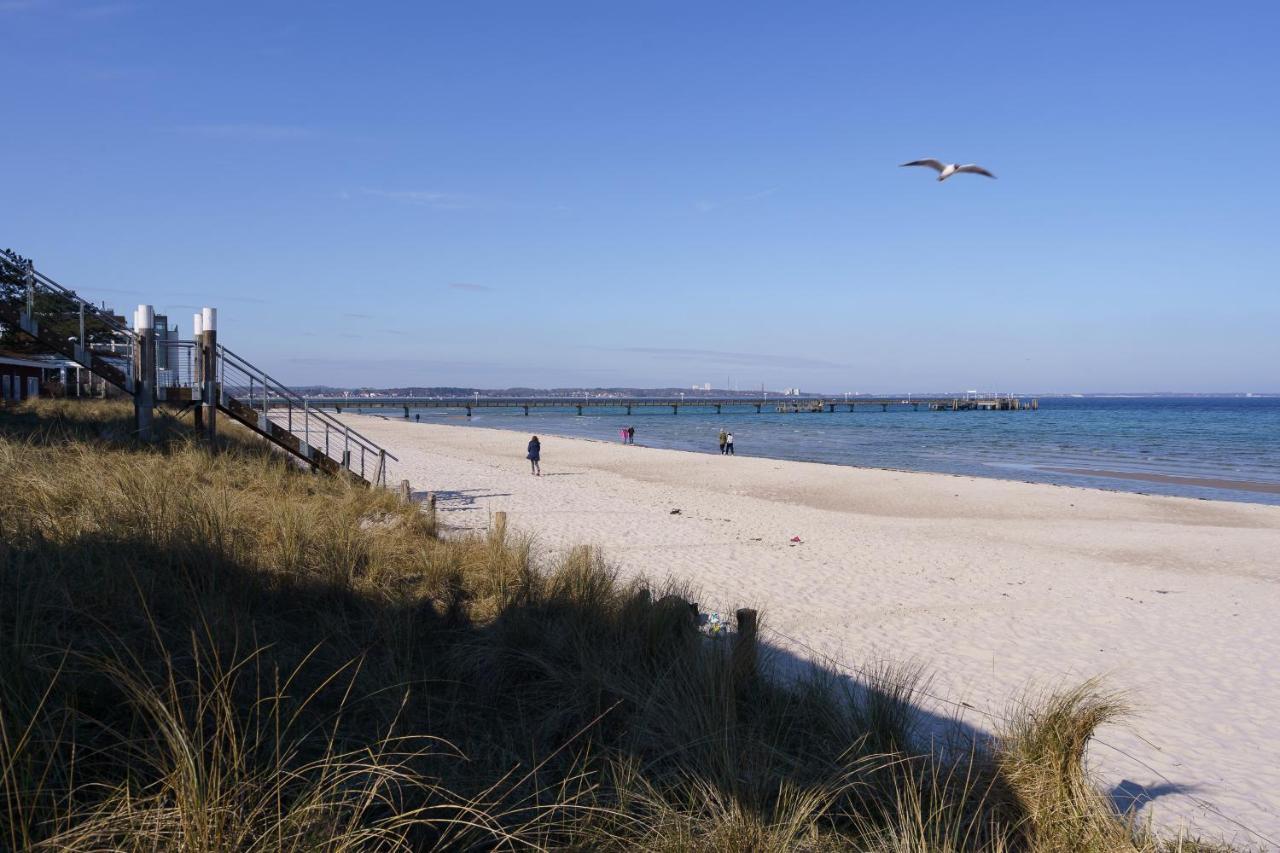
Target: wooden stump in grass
[(406, 494), (499, 529), (744, 648)]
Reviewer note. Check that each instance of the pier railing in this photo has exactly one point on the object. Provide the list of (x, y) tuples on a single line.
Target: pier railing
[(777, 404)]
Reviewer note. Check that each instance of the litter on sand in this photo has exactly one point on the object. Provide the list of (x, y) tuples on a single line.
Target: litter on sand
[(795, 538), (713, 625), (675, 512)]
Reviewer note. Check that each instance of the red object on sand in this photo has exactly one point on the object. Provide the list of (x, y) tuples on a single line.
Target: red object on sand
[(795, 538)]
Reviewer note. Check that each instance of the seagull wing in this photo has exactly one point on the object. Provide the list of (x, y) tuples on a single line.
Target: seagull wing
[(936, 165), (974, 170)]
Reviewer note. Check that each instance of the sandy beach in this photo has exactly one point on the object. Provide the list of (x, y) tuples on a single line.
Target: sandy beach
[(995, 586)]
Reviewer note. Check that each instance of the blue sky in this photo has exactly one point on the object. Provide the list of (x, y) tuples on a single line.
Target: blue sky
[(664, 193)]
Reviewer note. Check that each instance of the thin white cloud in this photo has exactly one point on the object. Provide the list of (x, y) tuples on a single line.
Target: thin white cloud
[(82, 11), (246, 131), (23, 5), (99, 11), (706, 206), (434, 199), (735, 359)]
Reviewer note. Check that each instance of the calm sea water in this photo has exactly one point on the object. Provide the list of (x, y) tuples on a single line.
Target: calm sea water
[(1229, 448)]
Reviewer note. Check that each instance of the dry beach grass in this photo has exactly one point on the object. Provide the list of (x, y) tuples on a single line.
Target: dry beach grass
[(222, 652)]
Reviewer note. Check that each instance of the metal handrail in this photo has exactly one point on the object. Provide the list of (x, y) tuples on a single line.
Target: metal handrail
[(66, 292), (281, 391)]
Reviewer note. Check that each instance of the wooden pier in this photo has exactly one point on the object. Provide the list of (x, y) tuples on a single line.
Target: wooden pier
[(629, 405)]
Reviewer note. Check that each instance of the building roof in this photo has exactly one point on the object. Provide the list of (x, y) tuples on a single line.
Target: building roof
[(48, 362)]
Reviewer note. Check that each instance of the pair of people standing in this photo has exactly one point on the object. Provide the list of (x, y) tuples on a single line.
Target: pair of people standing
[(628, 435), (726, 443)]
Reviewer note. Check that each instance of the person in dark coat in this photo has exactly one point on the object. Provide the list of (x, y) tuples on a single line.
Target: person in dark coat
[(535, 456), (631, 435)]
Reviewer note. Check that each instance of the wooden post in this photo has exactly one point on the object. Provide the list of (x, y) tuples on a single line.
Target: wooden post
[(499, 531), (144, 370), (744, 647), (209, 360), (406, 494)]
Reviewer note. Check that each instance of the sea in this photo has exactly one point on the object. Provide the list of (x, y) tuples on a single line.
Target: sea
[(1220, 448)]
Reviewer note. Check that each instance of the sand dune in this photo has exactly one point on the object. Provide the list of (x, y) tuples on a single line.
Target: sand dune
[(996, 586)]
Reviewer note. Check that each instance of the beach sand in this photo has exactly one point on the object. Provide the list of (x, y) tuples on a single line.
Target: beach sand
[(995, 586)]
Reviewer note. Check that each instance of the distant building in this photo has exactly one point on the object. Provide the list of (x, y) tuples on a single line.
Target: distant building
[(23, 376)]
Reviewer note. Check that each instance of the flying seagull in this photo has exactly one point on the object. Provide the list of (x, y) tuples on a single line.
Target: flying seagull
[(946, 170)]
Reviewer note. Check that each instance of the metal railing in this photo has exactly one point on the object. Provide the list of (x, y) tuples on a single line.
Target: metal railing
[(319, 431)]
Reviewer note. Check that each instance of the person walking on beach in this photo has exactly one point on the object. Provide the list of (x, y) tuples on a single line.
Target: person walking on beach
[(631, 435), (622, 434), (724, 439), (535, 456), (728, 444)]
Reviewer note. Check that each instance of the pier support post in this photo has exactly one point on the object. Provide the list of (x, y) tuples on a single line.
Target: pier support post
[(197, 373), (884, 407), (717, 408), (851, 408), (526, 411), (831, 408), (628, 411), (757, 408), (468, 411), (675, 410), (579, 411), (144, 370), (209, 356)]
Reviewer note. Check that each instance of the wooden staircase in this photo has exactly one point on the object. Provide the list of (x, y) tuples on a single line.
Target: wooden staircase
[(102, 343)]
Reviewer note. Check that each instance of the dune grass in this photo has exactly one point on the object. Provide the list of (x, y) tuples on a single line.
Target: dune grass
[(223, 652)]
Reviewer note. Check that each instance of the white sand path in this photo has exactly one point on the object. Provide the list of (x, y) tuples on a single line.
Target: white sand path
[(995, 585)]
